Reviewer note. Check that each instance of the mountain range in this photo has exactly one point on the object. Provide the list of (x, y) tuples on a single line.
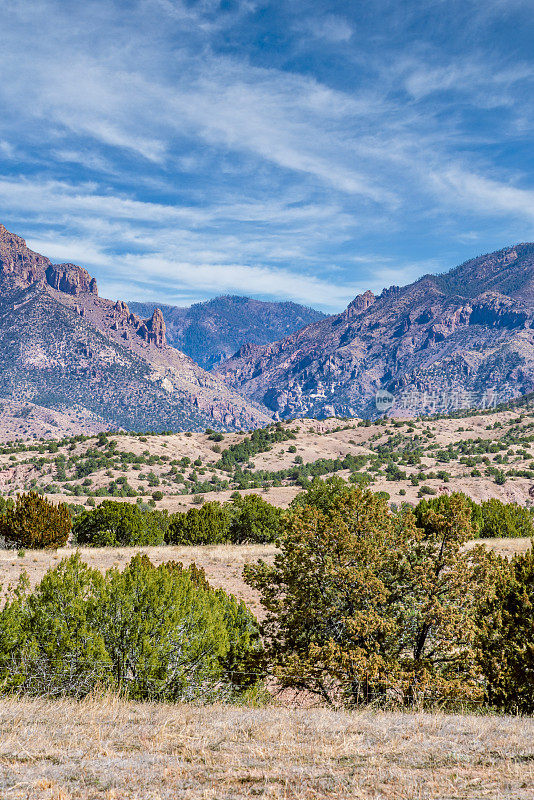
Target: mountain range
[(213, 331), (466, 334), (463, 338), (65, 348)]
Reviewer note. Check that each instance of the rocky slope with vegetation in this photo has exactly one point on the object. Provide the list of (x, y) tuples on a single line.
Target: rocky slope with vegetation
[(443, 340), (64, 348), (486, 454)]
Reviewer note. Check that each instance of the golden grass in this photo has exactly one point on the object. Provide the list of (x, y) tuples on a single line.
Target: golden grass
[(505, 547), (223, 563), (105, 748)]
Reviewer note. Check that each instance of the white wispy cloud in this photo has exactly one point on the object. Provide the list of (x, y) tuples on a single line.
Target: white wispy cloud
[(486, 195)]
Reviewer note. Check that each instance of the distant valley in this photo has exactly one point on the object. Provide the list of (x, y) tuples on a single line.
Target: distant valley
[(213, 331)]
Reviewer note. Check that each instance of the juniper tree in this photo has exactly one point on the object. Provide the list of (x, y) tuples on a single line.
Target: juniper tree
[(505, 641), (34, 522), (151, 632), (113, 524), (360, 601)]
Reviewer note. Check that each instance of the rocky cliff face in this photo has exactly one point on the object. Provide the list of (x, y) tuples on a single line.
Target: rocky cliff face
[(22, 267), (466, 332), (18, 262), (64, 347), (70, 279)]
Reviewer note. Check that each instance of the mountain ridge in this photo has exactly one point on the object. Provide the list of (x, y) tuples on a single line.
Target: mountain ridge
[(212, 331), (62, 345), (423, 338)]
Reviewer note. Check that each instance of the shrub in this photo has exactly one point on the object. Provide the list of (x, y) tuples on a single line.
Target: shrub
[(151, 632), (506, 638), (442, 505), (209, 524), (114, 524), (357, 592), (34, 522), (322, 494), (254, 520), (508, 520)]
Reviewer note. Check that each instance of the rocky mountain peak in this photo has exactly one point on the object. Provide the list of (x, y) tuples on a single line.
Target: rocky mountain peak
[(53, 324), (22, 266), (359, 304)]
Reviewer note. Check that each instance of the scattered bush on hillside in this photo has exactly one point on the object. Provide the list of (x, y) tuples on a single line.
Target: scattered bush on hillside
[(114, 524), (259, 441), (34, 522), (154, 633)]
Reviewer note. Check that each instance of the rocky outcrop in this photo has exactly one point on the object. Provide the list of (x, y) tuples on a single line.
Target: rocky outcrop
[(156, 329), (247, 350), (152, 330), (71, 279), (360, 304), (496, 311), (121, 308), (18, 262), (22, 267)]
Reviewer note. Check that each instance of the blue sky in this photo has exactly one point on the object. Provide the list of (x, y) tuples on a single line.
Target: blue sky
[(304, 150)]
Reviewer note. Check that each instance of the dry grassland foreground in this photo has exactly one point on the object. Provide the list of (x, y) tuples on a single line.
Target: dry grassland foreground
[(105, 748)]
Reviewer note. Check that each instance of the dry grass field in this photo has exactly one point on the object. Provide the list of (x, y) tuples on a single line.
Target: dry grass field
[(107, 749), (222, 563)]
